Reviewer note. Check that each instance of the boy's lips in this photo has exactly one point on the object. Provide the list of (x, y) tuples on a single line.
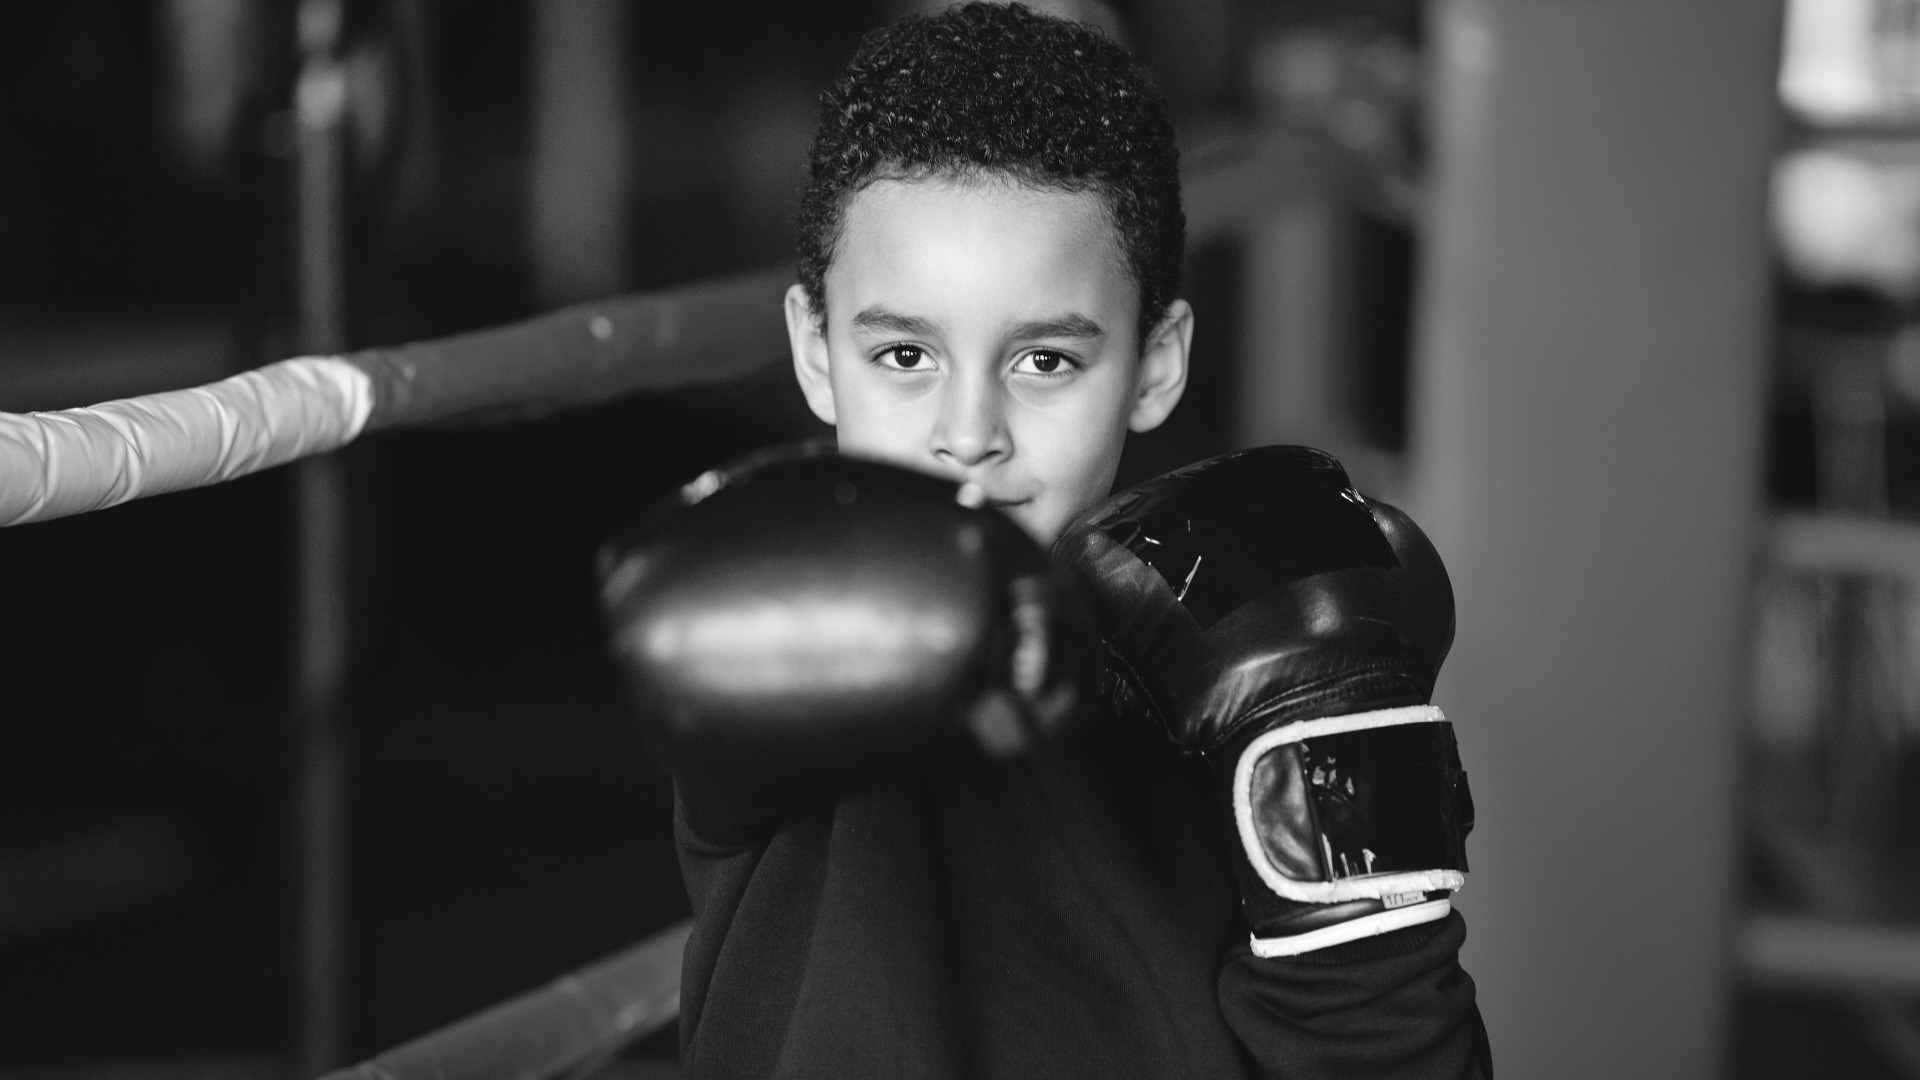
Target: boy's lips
[(974, 493)]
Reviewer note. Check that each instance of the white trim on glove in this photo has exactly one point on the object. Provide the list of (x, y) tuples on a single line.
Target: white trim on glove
[(74, 460), (1379, 922)]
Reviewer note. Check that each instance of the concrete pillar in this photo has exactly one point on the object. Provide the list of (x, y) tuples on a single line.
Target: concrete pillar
[(1588, 393), (577, 212)]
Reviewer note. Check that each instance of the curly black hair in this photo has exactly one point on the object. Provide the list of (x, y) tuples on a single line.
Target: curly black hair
[(998, 90)]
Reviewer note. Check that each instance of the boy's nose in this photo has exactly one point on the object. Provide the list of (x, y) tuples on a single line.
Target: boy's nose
[(972, 426)]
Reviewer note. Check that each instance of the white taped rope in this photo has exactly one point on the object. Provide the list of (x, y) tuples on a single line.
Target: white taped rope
[(69, 462)]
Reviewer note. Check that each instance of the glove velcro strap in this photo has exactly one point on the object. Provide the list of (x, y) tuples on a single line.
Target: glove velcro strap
[(1358, 807), (1352, 930)]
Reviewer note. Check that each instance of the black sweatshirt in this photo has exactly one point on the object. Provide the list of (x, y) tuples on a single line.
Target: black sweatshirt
[(1072, 913)]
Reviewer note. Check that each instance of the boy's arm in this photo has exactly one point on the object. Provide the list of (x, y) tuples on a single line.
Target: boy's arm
[(1393, 1007), (806, 621), (1289, 630)]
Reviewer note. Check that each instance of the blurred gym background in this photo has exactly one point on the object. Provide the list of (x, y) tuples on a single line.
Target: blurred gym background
[(1621, 298)]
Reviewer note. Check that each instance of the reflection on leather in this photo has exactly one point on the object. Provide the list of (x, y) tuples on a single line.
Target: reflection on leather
[(1245, 507), (1281, 815), (1259, 588), (1379, 801)]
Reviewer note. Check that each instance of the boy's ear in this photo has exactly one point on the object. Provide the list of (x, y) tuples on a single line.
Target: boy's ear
[(1163, 368), (808, 338)]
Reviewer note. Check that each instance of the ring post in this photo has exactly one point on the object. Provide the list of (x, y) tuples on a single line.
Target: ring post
[(320, 484)]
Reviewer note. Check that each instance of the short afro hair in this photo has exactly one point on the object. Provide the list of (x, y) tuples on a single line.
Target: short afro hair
[(996, 90)]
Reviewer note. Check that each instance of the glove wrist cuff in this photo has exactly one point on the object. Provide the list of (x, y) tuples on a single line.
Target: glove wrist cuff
[(1352, 930)]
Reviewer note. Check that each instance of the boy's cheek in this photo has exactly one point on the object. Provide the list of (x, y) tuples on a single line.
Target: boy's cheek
[(865, 423), (1062, 499), (889, 434)]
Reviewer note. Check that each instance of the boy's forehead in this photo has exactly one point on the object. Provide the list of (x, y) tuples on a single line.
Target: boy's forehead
[(984, 238)]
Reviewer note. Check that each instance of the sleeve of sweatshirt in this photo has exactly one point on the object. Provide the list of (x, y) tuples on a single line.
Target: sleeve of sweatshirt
[(1393, 1007)]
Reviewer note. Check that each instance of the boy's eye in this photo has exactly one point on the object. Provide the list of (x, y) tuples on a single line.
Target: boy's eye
[(905, 358), (1043, 362)]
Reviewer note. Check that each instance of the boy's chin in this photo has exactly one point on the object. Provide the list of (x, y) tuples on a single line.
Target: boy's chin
[(1034, 518)]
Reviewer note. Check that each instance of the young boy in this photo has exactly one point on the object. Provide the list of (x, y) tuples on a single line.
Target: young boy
[(991, 246)]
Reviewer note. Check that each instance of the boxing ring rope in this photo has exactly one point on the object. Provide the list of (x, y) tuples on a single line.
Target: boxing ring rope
[(568, 1028), (72, 461)]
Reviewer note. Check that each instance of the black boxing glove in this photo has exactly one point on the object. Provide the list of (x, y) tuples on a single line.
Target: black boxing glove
[(802, 621), (1270, 617)]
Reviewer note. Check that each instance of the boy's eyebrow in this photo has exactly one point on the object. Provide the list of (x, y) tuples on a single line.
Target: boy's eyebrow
[(1074, 326), (892, 322)]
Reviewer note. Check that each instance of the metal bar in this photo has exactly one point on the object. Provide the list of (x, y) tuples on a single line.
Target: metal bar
[(563, 1028), (321, 779), (1802, 951), (320, 786), (1835, 544), (577, 164)]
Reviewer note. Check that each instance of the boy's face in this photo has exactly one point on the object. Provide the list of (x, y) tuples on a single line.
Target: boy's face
[(987, 331)]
